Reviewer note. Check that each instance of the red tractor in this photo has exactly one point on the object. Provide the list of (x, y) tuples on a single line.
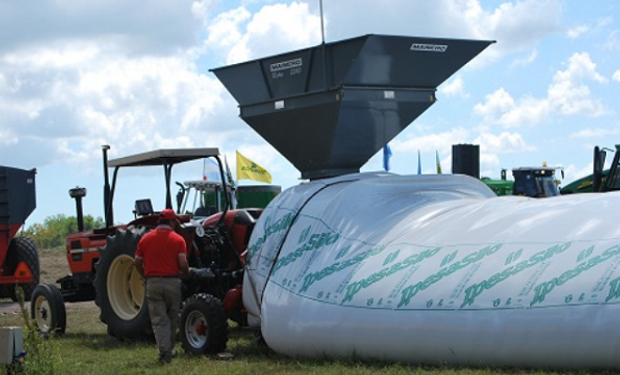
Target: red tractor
[(19, 259), (101, 263)]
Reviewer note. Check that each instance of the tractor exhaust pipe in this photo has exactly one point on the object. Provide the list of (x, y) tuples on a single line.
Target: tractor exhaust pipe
[(107, 193), (78, 193)]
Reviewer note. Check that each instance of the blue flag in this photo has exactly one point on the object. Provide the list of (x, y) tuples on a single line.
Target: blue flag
[(387, 154)]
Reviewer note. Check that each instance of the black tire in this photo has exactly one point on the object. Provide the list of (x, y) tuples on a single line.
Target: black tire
[(47, 310), (204, 328), (259, 339), (120, 290), (23, 249), (4, 291)]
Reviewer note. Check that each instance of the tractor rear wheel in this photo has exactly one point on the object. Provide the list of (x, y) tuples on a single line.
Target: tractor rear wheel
[(47, 309), (204, 328), (23, 249), (120, 289)]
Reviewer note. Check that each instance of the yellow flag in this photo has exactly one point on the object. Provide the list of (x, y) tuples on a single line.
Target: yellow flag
[(248, 170)]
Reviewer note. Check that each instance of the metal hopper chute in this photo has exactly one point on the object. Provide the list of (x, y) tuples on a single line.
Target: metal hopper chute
[(330, 108)]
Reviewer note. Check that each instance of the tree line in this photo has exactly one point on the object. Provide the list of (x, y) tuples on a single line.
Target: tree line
[(54, 230)]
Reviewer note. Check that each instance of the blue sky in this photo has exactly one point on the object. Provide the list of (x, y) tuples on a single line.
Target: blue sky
[(75, 76)]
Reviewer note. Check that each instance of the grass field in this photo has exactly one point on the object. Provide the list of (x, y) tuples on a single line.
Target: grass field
[(87, 349)]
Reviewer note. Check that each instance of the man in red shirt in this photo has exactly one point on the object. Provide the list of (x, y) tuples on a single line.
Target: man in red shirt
[(161, 259)]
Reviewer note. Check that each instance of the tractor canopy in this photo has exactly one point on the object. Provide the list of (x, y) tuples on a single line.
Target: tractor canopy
[(166, 158), (328, 109)]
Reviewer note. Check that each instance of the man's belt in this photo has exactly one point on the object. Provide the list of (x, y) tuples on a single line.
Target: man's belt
[(163, 277)]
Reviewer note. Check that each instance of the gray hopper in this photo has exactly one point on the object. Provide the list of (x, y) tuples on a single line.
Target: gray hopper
[(330, 108)]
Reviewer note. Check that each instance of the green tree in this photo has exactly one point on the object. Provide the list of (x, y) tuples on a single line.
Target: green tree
[(55, 229)]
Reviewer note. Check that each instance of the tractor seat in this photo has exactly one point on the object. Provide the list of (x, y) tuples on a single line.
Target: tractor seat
[(204, 211), (144, 207)]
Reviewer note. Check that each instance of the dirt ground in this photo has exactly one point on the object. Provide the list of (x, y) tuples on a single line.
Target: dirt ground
[(53, 265)]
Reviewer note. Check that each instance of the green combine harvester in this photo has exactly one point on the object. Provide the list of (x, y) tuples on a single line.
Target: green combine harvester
[(600, 180)]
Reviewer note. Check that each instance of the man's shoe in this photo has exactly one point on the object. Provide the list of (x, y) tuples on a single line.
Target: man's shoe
[(164, 359)]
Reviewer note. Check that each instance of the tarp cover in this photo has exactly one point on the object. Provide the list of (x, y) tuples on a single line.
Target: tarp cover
[(436, 269)]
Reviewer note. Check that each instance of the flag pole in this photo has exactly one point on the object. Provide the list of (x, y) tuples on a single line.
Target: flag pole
[(323, 45), (322, 24), (419, 163)]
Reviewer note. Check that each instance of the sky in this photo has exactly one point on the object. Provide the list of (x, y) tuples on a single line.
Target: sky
[(135, 75)]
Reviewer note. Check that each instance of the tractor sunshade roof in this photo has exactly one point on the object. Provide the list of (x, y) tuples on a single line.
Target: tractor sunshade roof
[(163, 156)]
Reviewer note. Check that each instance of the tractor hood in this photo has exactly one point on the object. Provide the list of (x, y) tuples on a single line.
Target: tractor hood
[(330, 108)]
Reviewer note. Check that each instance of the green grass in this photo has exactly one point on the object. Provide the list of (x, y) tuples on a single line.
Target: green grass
[(87, 349)]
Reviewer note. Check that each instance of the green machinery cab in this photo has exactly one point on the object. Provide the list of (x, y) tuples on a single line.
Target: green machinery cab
[(536, 182)]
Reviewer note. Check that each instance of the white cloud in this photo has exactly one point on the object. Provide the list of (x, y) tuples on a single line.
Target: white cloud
[(201, 9), (157, 29), (454, 87), (616, 76), (568, 94), (594, 133), (496, 103), (79, 98), (71, 55), (613, 40), (604, 21), (441, 142), (528, 60), (489, 165), (224, 31), (577, 30), (503, 143), (573, 172), (521, 24), (277, 28), (502, 109)]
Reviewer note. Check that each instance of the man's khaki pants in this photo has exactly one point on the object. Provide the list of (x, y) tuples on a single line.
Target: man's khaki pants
[(164, 299)]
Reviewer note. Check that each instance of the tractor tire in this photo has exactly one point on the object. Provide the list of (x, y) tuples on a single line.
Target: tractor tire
[(204, 328), (120, 290), (47, 310), (23, 249), (4, 291)]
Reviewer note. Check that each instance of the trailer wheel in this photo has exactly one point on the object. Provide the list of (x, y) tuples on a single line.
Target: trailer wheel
[(120, 290), (47, 309), (204, 328), (23, 249)]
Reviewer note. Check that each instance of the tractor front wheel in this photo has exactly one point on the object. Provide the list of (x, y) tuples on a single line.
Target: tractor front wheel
[(120, 289), (204, 328), (47, 309)]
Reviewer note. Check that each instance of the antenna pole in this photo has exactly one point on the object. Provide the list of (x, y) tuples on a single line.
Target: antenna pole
[(322, 25)]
